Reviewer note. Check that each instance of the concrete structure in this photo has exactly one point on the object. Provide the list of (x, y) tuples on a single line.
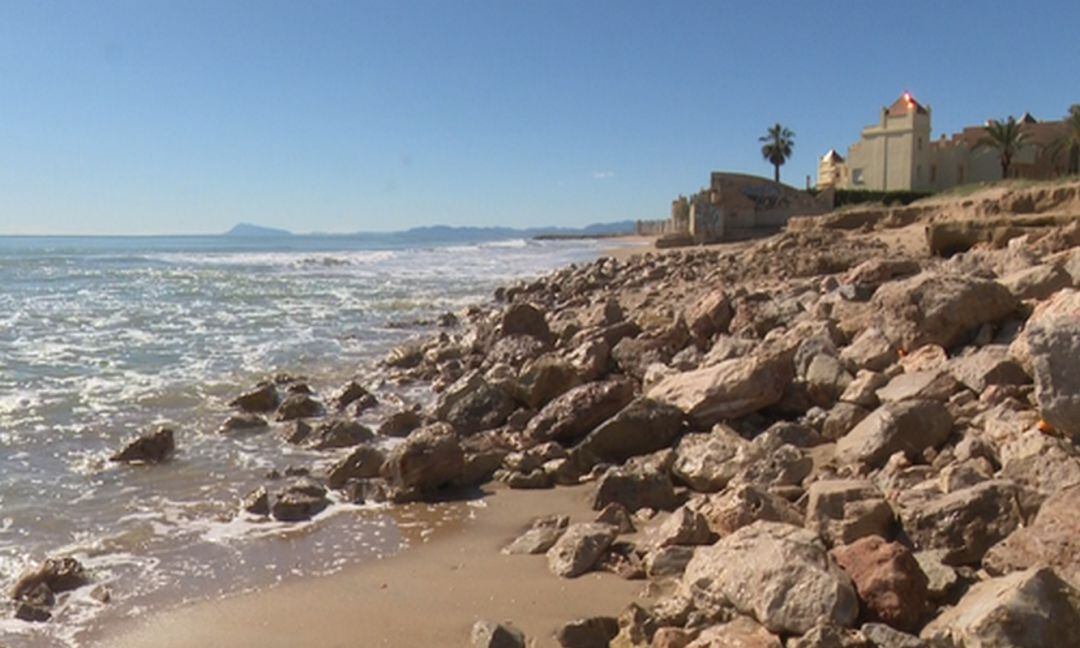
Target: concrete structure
[(736, 206), (897, 154)]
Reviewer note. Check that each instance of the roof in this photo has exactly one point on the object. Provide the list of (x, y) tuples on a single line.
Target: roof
[(832, 156), (906, 104)]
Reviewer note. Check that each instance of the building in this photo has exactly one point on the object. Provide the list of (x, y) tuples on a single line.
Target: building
[(898, 154)]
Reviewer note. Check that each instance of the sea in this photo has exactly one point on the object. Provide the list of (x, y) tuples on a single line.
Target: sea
[(103, 338)]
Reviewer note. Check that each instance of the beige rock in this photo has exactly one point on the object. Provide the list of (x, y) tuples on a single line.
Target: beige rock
[(842, 511)]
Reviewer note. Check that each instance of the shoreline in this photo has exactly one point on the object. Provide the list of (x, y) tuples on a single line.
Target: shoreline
[(426, 595)]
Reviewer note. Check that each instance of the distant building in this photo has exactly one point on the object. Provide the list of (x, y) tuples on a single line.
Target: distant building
[(897, 154)]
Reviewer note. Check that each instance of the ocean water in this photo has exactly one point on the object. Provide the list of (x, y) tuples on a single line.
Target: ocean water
[(102, 338)]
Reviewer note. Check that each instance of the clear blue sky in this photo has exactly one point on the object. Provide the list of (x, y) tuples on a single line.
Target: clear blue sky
[(147, 116)]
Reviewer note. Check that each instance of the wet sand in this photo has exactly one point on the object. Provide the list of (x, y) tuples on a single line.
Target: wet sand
[(428, 595)]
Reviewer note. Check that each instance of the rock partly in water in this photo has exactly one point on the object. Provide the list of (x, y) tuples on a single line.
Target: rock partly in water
[(264, 398), (152, 448), (428, 459)]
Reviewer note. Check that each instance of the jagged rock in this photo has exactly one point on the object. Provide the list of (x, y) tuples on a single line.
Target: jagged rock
[(941, 578), (907, 426), (604, 313), (826, 379), (773, 465), (428, 459), (362, 463), (990, 365), (593, 632), (246, 421), (744, 504), (540, 537), (1027, 609), (871, 350), (933, 384), (1053, 538), (705, 462), (33, 606), (579, 547), (257, 502), (525, 319), (299, 501), (727, 390), (684, 526), (55, 574), (533, 479), (339, 433), (400, 423), (641, 427), (741, 632), (842, 418), (617, 516), (844, 510), (1036, 282), (298, 432), (298, 406), (580, 410), (777, 573), (635, 489), (967, 522), (473, 405), (546, 378), (515, 351), (863, 389), (944, 309), (261, 399), (1052, 338), (669, 561), (830, 636), (1044, 463), (708, 316), (406, 356), (591, 359), (152, 448), (488, 634), (883, 636), (349, 393), (888, 580)]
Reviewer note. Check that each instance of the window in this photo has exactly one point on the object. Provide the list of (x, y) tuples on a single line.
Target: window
[(933, 173), (856, 176)]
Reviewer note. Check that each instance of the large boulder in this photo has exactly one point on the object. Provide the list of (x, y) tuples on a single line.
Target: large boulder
[(777, 573), (944, 309), (891, 586), (641, 427), (362, 463), (152, 448), (1036, 282), (1053, 539), (525, 319), (544, 379), (580, 410), (579, 548), (1029, 609), (965, 523), (428, 459), (906, 426), (708, 316), (741, 632), (727, 390), (1052, 338), (844, 510), (706, 462), (635, 487), (472, 404), (298, 501)]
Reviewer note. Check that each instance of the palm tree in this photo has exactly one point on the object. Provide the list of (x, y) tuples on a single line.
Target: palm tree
[(1070, 141), (778, 142), (1005, 136)]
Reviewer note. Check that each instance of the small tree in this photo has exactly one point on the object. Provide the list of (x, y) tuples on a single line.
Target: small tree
[(1070, 141), (1006, 137), (777, 144)]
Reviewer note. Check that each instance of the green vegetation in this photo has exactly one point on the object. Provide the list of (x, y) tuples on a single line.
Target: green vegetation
[(1069, 144), (778, 142), (860, 196), (1006, 137)]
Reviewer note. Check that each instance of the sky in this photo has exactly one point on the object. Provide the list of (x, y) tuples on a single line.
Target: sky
[(149, 117)]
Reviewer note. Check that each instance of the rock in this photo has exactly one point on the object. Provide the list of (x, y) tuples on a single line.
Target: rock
[(870, 350), (744, 504), (940, 577), (882, 636), (773, 466), (34, 612), (351, 392), (826, 379), (990, 365), (400, 423), (730, 389), (55, 574), (741, 632), (1052, 338), (685, 526), (257, 502), (580, 410), (262, 399), (617, 516), (1037, 282), (843, 510), (152, 448), (428, 459), (706, 462), (669, 637), (943, 309), (515, 351), (907, 426), (533, 479), (299, 432), (525, 319), (339, 433), (591, 359), (641, 427), (777, 573), (708, 316), (579, 547), (863, 389), (299, 501), (363, 462), (298, 406), (473, 405), (540, 537), (830, 636), (1028, 609), (934, 384), (406, 356), (965, 523), (635, 489), (668, 562), (546, 378), (888, 580), (842, 418), (593, 632), (604, 313), (247, 421), (1053, 538), (488, 634)]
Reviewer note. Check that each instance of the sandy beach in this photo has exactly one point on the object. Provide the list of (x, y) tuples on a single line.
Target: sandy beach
[(428, 595)]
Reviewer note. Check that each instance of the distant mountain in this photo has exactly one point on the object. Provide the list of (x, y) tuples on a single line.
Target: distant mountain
[(247, 229)]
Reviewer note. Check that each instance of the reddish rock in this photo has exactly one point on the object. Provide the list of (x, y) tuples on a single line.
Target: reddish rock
[(890, 585)]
